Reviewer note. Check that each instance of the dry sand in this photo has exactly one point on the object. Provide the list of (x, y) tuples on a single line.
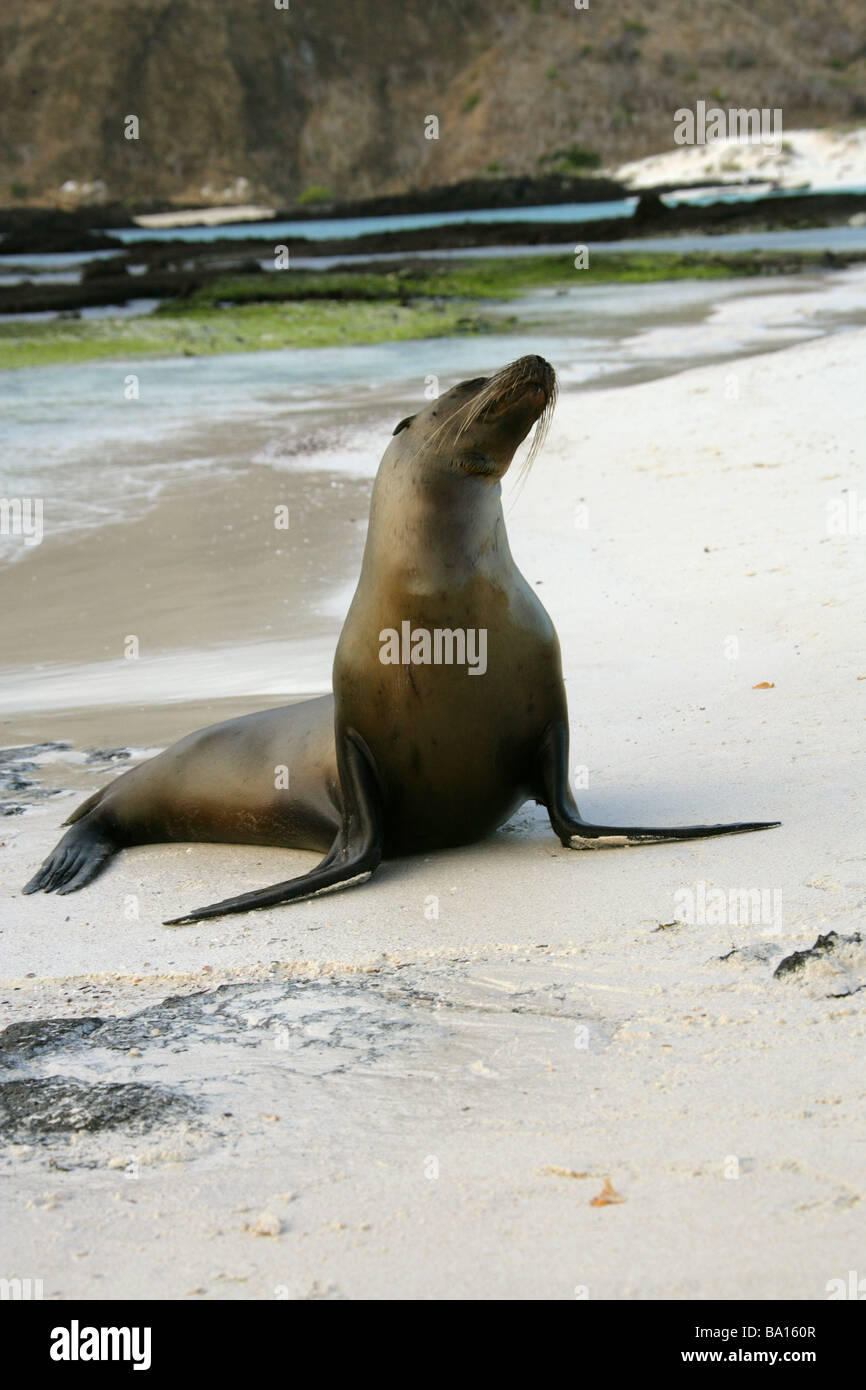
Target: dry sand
[(816, 159), (387, 1102), (206, 217)]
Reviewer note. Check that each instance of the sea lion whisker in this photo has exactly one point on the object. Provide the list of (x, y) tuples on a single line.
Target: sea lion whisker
[(479, 402), (497, 388), (536, 444)]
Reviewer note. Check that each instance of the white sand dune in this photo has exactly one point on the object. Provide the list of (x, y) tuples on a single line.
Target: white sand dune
[(441, 1113), (808, 159)]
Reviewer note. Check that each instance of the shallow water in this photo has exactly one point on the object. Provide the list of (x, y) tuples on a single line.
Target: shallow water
[(835, 239), (320, 229)]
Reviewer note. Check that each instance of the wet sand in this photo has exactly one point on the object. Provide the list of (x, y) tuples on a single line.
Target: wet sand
[(182, 579)]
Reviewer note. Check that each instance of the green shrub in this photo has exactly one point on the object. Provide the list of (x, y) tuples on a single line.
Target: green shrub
[(316, 193)]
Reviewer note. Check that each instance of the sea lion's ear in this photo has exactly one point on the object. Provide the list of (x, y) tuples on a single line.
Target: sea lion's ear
[(404, 424)]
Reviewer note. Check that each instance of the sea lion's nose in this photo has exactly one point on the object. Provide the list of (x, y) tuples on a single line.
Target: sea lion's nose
[(540, 366)]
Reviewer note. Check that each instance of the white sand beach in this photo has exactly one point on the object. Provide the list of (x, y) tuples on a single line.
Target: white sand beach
[(416, 1088), (205, 217), (821, 160)]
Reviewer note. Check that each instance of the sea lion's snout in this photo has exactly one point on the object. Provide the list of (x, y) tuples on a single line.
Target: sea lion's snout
[(538, 370), (529, 373), (477, 426), (492, 415), (529, 384)]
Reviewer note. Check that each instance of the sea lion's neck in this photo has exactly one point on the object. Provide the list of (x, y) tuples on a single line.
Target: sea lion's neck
[(429, 529)]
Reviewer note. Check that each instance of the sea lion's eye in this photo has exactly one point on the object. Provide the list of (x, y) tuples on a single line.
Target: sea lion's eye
[(404, 424), (474, 383)]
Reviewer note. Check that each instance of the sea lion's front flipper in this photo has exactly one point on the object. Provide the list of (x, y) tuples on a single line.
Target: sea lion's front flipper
[(78, 857), (576, 833), (353, 856)]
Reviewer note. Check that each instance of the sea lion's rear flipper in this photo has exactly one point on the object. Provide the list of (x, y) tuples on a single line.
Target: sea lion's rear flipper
[(576, 833), (76, 859), (353, 856)]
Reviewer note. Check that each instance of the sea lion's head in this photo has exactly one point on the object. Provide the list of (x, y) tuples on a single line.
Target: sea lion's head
[(476, 427)]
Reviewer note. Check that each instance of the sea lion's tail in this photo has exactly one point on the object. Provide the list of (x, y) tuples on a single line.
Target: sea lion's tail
[(75, 860)]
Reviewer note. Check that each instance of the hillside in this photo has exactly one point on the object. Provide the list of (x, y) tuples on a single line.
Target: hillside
[(238, 100)]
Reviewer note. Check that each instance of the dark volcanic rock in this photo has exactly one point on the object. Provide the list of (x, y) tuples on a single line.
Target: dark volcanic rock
[(38, 240), (96, 291), (650, 211), (14, 762), (107, 755), (21, 1041), (469, 194), (824, 946), (35, 1107)]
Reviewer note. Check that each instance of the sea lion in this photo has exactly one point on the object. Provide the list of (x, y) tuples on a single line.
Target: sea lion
[(410, 753)]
